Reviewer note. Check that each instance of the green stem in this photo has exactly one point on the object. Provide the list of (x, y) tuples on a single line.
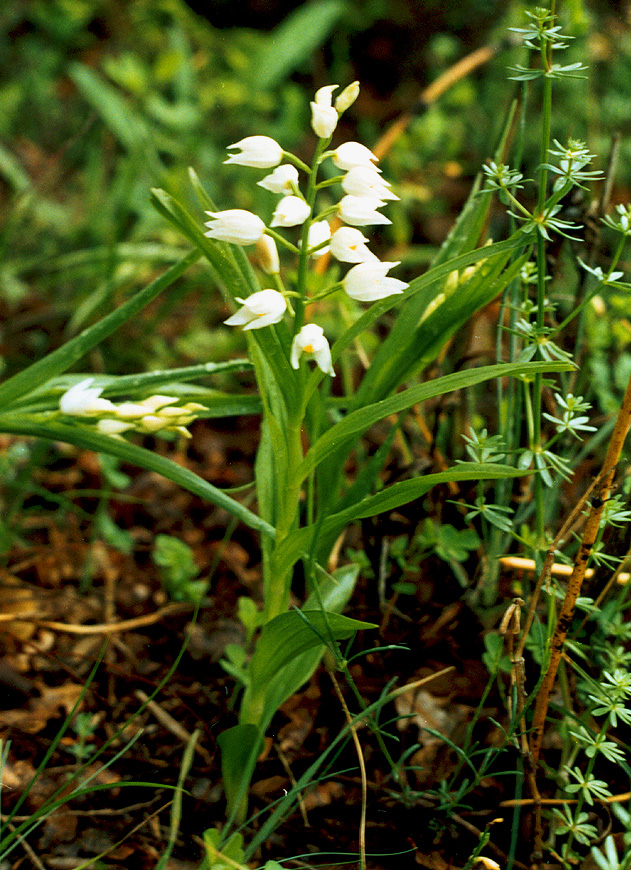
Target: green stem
[(277, 583), (546, 54), (303, 257)]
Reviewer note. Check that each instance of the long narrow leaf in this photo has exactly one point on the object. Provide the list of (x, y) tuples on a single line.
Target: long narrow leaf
[(133, 453), (420, 288), (233, 272), (63, 358), (360, 420), (422, 329), (403, 492)]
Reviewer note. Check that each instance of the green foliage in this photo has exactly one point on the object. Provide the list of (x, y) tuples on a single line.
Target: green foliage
[(145, 112), (293, 42), (178, 571), (229, 855)]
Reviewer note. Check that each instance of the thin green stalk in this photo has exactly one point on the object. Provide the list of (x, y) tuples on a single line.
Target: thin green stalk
[(277, 581), (303, 258), (546, 120)]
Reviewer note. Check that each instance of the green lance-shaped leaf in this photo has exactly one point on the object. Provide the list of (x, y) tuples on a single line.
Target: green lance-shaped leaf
[(284, 638), (300, 542), (360, 420), (63, 358), (80, 436), (294, 41), (286, 655), (426, 322)]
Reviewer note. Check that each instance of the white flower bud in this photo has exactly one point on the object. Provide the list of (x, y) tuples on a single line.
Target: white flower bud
[(267, 255), (348, 245), (282, 180), (352, 154), (235, 225), (361, 211), (323, 120), (290, 211), (261, 152), (82, 399), (311, 340), (154, 403), (367, 282), (113, 427), (319, 232), (323, 115), (260, 309), (130, 410), (366, 181), (347, 97), (151, 423)]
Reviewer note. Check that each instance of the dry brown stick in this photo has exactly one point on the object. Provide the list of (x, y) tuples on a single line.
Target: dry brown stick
[(27, 848), (432, 92), (548, 563), (171, 724), (580, 565), (123, 625), (552, 802)]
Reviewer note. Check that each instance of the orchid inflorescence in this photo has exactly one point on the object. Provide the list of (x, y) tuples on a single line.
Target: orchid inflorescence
[(365, 192), (153, 414)]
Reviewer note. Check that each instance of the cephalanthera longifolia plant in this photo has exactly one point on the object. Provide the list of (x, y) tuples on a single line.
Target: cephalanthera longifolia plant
[(309, 426)]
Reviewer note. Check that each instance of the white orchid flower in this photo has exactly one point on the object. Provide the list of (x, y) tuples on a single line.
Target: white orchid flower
[(348, 245), (290, 212), (262, 152), (323, 115), (267, 255), (311, 340), (260, 309), (235, 225), (282, 180), (319, 231), (361, 211), (82, 399), (366, 181), (367, 282), (351, 154)]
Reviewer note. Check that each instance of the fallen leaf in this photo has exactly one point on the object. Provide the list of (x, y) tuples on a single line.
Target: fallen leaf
[(43, 708)]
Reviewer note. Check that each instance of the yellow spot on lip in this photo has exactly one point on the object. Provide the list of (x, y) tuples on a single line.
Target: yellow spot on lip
[(309, 348)]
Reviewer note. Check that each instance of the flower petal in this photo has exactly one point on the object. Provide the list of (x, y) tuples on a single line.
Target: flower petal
[(261, 152)]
